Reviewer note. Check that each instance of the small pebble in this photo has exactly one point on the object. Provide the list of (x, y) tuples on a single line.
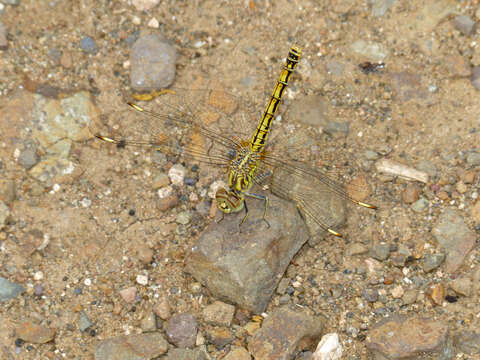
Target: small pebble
[(88, 45), (142, 279), (410, 194), (380, 252), (432, 261), (129, 294), (162, 308), (420, 205), (177, 174)]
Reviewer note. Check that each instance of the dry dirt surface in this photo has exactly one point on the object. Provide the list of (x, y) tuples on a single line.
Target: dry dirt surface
[(94, 238)]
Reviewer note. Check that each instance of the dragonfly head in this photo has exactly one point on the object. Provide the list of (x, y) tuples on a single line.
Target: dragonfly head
[(228, 201)]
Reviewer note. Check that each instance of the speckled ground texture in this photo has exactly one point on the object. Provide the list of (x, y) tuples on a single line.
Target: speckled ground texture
[(89, 251)]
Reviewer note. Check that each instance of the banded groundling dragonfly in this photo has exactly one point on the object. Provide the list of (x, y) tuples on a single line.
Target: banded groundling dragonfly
[(247, 161)]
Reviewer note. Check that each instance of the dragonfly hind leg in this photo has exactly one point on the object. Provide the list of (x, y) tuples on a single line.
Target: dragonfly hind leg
[(258, 197)]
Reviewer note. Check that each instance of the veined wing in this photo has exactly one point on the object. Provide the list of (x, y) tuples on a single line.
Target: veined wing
[(196, 124), (319, 197)]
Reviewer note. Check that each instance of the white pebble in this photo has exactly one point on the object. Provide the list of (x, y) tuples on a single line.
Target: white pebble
[(142, 279), (38, 276), (329, 348), (87, 282)]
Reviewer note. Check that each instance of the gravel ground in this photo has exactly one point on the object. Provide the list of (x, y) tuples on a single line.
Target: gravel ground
[(94, 239)]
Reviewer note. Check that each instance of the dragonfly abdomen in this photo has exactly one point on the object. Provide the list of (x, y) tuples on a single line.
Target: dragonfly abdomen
[(260, 136)]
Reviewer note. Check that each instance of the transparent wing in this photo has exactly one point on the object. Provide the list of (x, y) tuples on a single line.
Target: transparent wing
[(196, 124)]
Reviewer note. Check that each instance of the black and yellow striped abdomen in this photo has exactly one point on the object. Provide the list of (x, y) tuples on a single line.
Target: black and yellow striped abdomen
[(259, 139)]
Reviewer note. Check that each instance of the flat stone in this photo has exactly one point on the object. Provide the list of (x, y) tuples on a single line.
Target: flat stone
[(129, 294), (468, 342), (148, 323), (285, 332), (455, 237), (380, 252), (238, 353), (84, 322), (186, 354), (244, 266), (162, 308), (142, 346), (356, 249), (465, 24), (9, 290), (35, 334), (400, 337), (219, 313), (220, 337), (182, 330), (462, 286), (432, 261), (8, 191)]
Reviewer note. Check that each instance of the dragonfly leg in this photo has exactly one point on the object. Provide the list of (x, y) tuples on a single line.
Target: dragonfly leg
[(245, 217), (221, 219), (266, 200)]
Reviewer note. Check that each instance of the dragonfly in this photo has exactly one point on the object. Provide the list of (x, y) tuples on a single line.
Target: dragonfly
[(247, 161)]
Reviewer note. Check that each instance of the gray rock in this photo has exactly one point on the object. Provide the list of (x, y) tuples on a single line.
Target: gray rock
[(473, 158), (428, 167), (455, 237), (465, 24), (8, 192), (28, 158), (3, 37), (432, 261), (149, 323), (88, 45), (244, 265), (380, 252), (9, 290), (285, 332), (372, 155), (370, 294), (186, 354), (468, 342), (152, 63), (182, 330), (84, 322), (142, 346), (420, 205), (380, 7)]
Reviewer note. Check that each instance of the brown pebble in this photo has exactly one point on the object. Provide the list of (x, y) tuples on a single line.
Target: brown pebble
[(162, 308), (437, 293), (66, 60), (388, 279), (36, 334), (468, 177), (129, 294), (358, 188), (167, 203), (461, 187), (410, 194), (144, 254), (442, 195)]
